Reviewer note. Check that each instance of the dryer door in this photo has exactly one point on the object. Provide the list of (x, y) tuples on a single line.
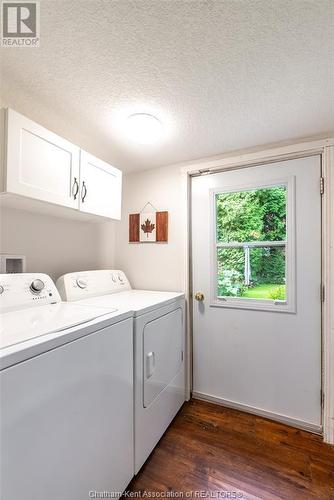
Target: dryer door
[(162, 353)]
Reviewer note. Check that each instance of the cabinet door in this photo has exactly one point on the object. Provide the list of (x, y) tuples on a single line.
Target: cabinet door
[(100, 187), (40, 164)]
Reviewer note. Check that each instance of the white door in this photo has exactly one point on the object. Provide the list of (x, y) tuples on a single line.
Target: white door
[(256, 253), (100, 187), (67, 419), (40, 164)]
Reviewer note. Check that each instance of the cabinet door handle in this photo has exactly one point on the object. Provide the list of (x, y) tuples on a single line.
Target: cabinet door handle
[(83, 192), (75, 188)]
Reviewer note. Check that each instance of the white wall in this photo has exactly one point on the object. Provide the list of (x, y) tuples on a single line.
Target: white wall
[(56, 245), (107, 243), (53, 245), (155, 266)]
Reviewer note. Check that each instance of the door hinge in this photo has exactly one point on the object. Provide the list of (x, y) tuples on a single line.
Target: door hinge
[(322, 399), (322, 293), (182, 356), (322, 185)]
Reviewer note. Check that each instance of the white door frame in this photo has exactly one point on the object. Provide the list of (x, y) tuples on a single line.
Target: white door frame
[(324, 147)]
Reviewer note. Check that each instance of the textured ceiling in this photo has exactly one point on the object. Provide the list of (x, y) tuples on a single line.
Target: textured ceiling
[(221, 75)]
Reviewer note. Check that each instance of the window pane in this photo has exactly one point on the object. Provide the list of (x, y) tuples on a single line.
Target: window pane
[(252, 273), (266, 273), (231, 265), (255, 215)]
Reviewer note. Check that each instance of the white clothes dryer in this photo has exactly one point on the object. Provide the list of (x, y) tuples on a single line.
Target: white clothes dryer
[(159, 347)]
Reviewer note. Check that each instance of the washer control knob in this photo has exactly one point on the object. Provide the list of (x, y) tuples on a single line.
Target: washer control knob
[(81, 283), (1, 289), (113, 278), (37, 286), (120, 278)]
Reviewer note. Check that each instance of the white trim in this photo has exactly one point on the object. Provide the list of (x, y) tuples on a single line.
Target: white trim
[(260, 155), (186, 185), (253, 244), (328, 305), (286, 306), (293, 422)]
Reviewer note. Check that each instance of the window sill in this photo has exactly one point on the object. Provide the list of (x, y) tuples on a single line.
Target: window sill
[(254, 304)]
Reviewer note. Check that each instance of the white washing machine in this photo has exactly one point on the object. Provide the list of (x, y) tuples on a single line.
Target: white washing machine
[(159, 346), (66, 382)]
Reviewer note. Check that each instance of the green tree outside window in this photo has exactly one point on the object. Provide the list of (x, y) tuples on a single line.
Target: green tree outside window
[(247, 218)]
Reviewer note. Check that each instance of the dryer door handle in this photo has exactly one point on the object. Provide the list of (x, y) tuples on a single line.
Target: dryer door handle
[(150, 364)]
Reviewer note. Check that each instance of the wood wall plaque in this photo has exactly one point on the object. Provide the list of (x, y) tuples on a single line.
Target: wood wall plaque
[(148, 227), (134, 228), (162, 227)]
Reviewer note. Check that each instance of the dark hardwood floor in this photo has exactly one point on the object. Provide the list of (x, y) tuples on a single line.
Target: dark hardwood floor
[(215, 449)]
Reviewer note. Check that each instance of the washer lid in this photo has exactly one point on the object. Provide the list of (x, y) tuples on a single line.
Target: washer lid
[(25, 324)]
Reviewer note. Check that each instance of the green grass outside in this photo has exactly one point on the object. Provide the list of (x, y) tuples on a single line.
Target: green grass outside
[(261, 291)]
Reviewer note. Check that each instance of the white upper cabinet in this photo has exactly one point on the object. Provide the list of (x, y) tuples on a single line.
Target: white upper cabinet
[(100, 187), (40, 164)]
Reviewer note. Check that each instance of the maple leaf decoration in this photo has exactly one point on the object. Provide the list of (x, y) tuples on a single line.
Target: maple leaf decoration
[(147, 227)]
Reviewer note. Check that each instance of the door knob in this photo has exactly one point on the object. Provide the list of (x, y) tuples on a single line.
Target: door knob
[(199, 296)]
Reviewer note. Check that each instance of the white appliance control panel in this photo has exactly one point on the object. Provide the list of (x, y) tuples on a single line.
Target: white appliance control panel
[(23, 290), (82, 285)]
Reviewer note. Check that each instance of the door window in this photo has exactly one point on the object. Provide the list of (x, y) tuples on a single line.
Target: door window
[(253, 247)]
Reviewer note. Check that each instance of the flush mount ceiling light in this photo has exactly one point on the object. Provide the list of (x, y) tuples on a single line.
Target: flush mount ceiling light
[(144, 128)]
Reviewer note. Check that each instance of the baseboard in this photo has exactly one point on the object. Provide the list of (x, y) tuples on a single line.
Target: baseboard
[(293, 422)]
